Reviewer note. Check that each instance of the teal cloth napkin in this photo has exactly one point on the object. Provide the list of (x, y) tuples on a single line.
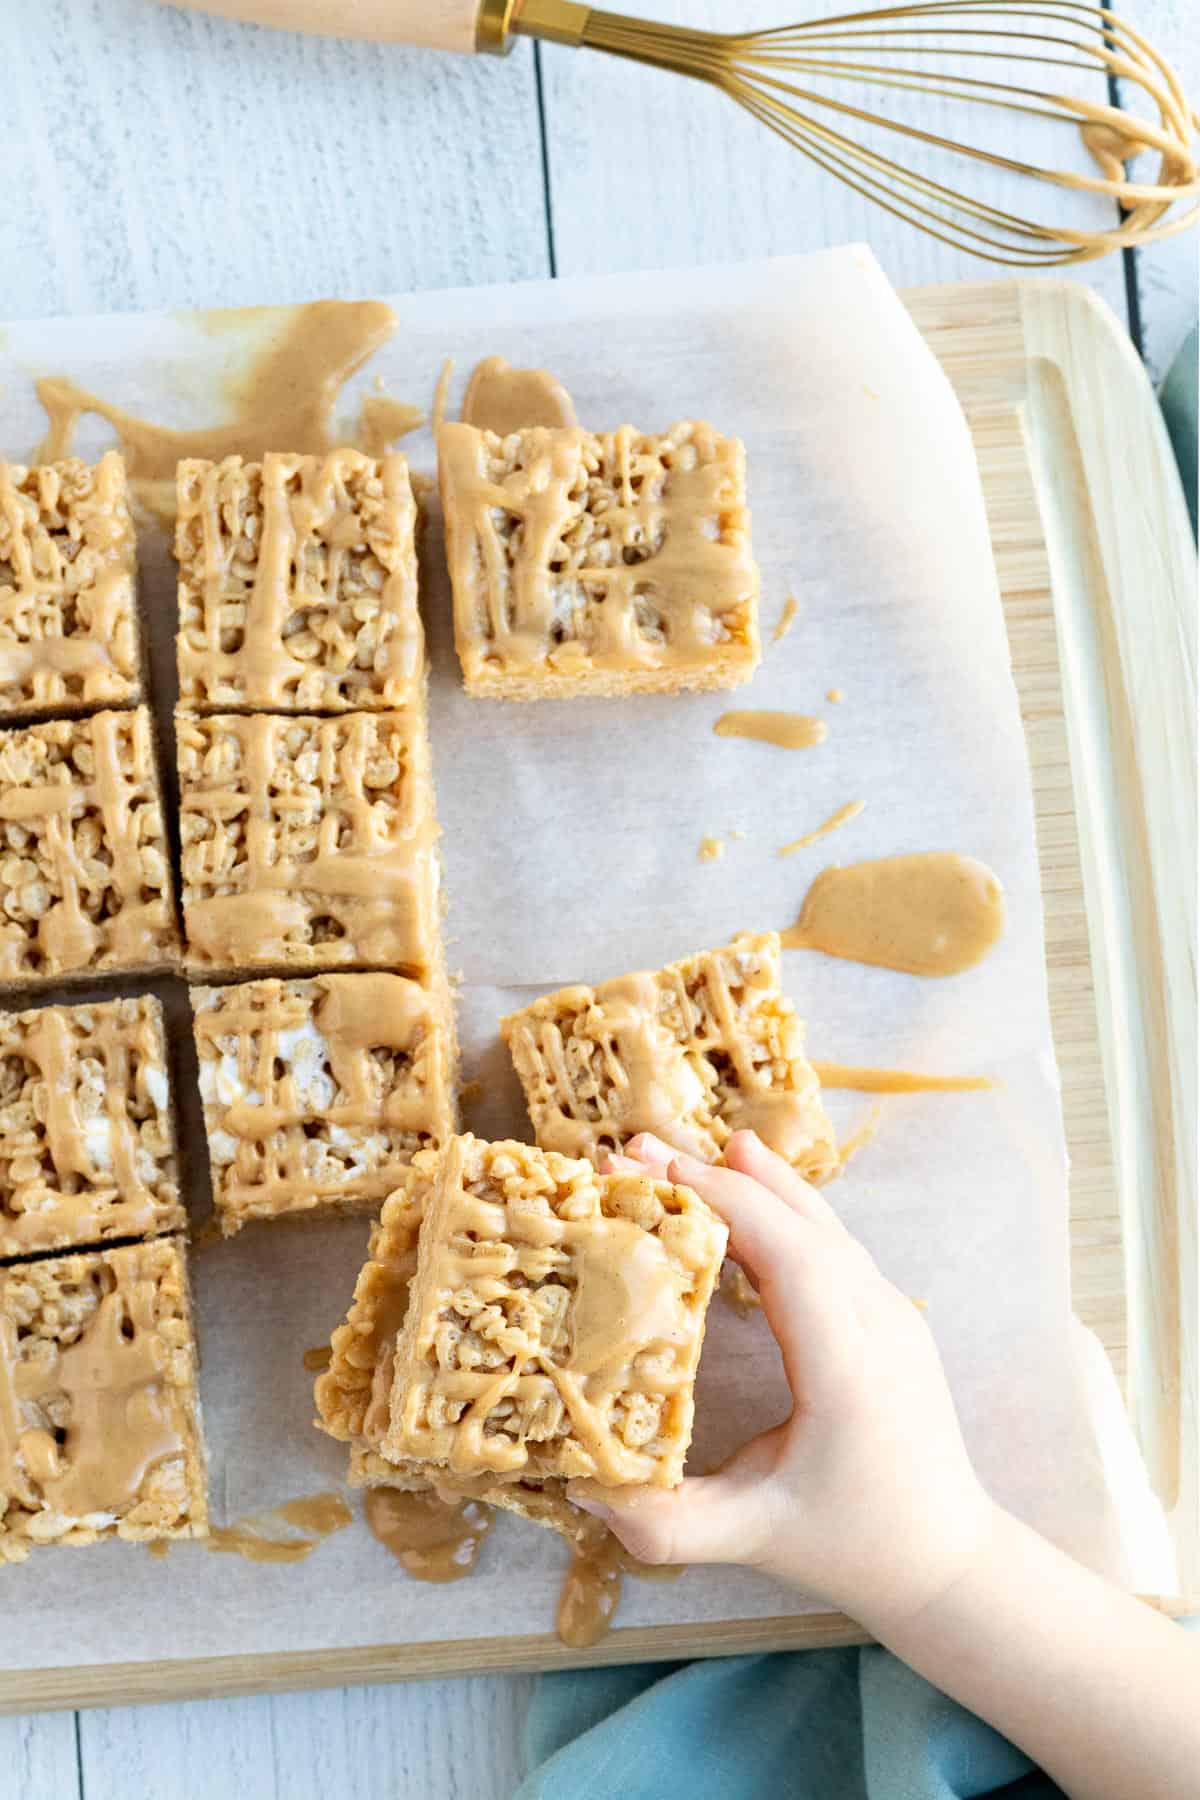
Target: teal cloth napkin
[(810, 1724)]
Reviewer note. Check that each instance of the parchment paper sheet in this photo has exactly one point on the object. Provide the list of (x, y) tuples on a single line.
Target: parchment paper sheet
[(571, 837)]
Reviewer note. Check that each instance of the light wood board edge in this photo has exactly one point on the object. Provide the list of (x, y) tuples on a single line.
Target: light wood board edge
[(979, 333), (1124, 569)]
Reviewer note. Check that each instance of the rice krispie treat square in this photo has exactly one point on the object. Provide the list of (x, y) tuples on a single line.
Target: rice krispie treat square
[(85, 880), (317, 1094), (701, 1049), (87, 1147), (99, 1413), (555, 1318), (298, 583), (308, 843), (613, 564), (353, 1394), (68, 580)]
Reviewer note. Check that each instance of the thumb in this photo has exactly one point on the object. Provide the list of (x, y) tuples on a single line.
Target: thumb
[(707, 1518)]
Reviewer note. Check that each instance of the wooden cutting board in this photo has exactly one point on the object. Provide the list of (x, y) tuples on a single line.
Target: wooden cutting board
[(1097, 570)]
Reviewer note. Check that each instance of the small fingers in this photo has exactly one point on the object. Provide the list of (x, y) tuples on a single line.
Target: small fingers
[(748, 1155), (706, 1519), (764, 1231)]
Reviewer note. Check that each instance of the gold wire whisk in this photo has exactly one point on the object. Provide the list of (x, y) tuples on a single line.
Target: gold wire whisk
[(763, 70)]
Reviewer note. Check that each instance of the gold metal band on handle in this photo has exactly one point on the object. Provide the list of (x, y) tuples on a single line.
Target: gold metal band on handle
[(493, 35)]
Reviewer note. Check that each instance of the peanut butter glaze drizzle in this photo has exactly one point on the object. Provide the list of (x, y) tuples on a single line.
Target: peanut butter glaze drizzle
[(354, 1015), (656, 572), (834, 822), (502, 399), (318, 1358), (934, 913), (788, 731), (897, 1081), (262, 1538), (433, 1539), (283, 401), (126, 1045), (121, 1422)]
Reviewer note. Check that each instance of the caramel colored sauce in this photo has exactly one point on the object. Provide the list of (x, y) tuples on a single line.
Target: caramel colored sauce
[(383, 420), (786, 619), (262, 1539), (737, 1292), (283, 400), (470, 1093), (318, 1358), (789, 731), (711, 849), (862, 1135), (897, 1081), (835, 696), (936, 913), (434, 1539), (842, 816), (502, 399), (591, 1591)]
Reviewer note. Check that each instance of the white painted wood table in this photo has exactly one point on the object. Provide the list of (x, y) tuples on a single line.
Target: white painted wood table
[(157, 159)]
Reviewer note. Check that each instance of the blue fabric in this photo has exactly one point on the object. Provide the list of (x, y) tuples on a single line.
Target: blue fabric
[(810, 1724), (1178, 397)]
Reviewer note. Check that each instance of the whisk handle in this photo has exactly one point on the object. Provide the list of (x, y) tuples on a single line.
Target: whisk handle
[(463, 25)]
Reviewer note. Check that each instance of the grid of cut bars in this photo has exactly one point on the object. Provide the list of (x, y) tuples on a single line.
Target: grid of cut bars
[(68, 574), (298, 583), (99, 1410), (692, 1052), (308, 832), (87, 1145), (554, 1321), (611, 564), (317, 1094)]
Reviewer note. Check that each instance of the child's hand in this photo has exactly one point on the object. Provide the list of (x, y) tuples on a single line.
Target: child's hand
[(865, 1496)]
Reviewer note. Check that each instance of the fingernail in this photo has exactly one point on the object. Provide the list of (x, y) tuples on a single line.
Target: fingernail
[(687, 1167), (586, 1502), (646, 1145)]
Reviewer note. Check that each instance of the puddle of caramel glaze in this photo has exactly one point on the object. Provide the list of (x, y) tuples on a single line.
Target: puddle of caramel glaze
[(842, 816), (441, 393), (897, 1081), (591, 1589), (835, 696), (502, 399), (711, 849), (935, 913), (433, 1539), (261, 1538), (207, 1236), (318, 1357), (737, 1292), (283, 400), (786, 619), (789, 731), (382, 420), (159, 1548)]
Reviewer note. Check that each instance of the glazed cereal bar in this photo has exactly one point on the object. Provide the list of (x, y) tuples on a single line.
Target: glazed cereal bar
[(87, 1149), (99, 1415), (85, 883), (616, 564), (68, 574), (353, 1395), (298, 583), (555, 1318), (308, 843), (318, 1093), (701, 1049)]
